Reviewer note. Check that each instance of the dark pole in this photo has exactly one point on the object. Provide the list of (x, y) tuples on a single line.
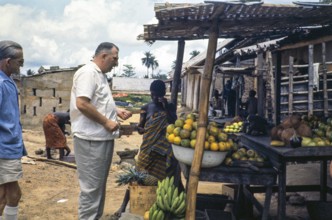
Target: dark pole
[(177, 72)]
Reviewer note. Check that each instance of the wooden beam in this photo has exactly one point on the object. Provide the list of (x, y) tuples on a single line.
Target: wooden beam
[(277, 87), (260, 85), (290, 85), (325, 93), (177, 72), (202, 122), (311, 80), (306, 43)]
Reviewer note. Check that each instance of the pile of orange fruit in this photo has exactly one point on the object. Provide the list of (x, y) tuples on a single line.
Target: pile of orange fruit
[(184, 133)]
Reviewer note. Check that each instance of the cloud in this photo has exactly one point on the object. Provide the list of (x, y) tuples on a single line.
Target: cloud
[(65, 33)]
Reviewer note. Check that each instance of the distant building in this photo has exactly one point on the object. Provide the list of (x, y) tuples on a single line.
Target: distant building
[(43, 93)]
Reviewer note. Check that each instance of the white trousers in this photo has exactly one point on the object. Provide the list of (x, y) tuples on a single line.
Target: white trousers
[(93, 160)]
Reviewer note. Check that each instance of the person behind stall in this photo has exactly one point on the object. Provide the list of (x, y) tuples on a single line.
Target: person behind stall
[(54, 126), (156, 155), (231, 102), (225, 94), (217, 101), (252, 103)]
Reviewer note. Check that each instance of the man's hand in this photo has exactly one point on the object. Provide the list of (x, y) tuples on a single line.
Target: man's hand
[(124, 114), (111, 125)]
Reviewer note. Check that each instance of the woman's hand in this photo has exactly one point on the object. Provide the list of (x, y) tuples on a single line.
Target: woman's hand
[(163, 101)]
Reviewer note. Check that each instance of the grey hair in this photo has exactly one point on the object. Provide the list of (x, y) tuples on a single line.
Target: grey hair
[(105, 46), (9, 49)]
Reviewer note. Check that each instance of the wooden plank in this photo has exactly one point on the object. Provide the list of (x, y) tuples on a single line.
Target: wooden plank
[(260, 82), (277, 87), (290, 85), (324, 69), (311, 80)]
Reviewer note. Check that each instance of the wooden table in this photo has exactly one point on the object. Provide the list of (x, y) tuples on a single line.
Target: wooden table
[(280, 156), (242, 176)]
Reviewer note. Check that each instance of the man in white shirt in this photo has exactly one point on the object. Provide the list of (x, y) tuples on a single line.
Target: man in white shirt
[(94, 126)]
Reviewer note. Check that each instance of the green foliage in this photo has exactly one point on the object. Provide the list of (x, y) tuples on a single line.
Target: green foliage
[(150, 61), (128, 71), (194, 53), (30, 72), (137, 100), (131, 176)]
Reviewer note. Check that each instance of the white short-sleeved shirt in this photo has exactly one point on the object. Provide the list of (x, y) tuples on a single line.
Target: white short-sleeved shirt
[(90, 82)]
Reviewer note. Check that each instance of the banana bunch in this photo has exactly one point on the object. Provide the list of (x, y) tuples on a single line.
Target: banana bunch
[(155, 213), (169, 200)]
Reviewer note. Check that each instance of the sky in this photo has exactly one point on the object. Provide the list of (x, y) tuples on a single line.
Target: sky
[(65, 33)]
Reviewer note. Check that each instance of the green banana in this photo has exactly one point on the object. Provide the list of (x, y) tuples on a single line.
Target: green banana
[(160, 215), (167, 204), (170, 194), (154, 215), (174, 204), (181, 208), (160, 203), (171, 181), (175, 194)]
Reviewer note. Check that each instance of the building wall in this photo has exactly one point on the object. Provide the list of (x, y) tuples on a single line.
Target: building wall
[(42, 94), (49, 92), (131, 84)]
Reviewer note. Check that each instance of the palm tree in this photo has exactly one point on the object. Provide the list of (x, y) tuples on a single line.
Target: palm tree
[(194, 53), (150, 61), (146, 61), (154, 63)]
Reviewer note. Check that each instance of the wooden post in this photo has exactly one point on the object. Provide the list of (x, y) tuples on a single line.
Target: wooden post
[(177, 72), (325, 93), (202, 121), (260, 85), (311, 80), (277, 88), (184, 90), (290, 85)]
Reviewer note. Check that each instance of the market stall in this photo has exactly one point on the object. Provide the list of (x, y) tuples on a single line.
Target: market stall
[(215, 20)]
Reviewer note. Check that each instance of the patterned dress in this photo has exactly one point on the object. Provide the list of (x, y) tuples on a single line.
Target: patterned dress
[(53, 126), (156, 155)]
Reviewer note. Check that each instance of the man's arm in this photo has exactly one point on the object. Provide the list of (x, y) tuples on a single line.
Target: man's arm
[(123, 114), (83, 104)]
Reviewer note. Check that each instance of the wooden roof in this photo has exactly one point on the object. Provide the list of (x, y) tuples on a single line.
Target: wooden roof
[(192, 21)]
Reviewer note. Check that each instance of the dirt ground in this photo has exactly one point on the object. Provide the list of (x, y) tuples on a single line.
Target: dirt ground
[(50, 191)]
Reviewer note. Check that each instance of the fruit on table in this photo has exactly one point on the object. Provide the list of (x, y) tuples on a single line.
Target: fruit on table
[(277, 143), (184, 133)]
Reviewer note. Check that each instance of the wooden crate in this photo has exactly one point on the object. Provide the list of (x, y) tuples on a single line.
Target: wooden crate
[(142, 198)]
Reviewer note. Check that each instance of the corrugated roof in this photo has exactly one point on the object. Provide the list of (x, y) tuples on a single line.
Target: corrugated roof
[(193, 21)]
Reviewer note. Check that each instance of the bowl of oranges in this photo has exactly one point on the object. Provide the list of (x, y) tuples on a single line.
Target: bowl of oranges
[(210, 158), (182, 135)]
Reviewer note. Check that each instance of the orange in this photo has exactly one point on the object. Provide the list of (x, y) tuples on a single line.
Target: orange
[(189, 121), (170, 128), (179, 123), (222, 146), (206, 145), (193, 143), (187, 127), (177, 140), (211, 139), (170, 138), (214, 146)]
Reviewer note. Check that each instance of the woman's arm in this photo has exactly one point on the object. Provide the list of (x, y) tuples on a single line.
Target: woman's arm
[(142, 120)]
